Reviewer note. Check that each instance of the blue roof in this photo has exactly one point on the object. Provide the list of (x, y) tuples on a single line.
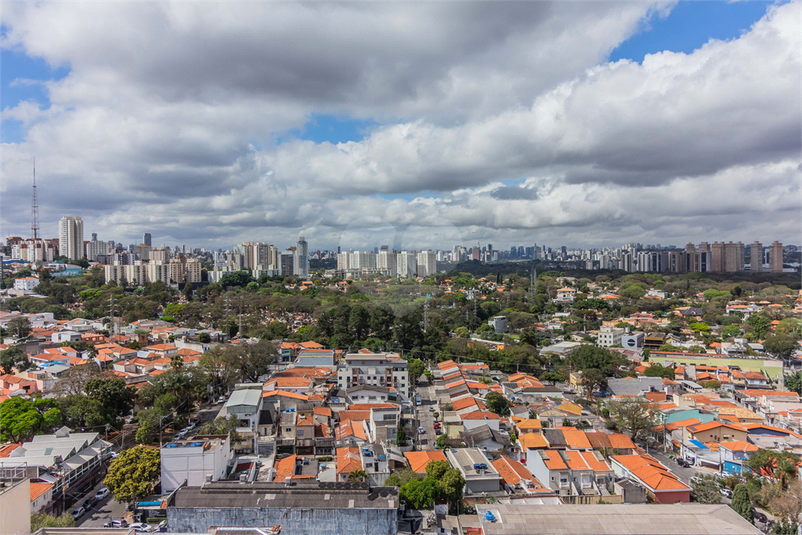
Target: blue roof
[(699, 444)]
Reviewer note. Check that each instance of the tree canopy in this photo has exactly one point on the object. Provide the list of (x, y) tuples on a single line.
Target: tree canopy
[(132, 474)]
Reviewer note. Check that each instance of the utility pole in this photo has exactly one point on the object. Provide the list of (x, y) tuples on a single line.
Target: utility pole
[(107, 432)]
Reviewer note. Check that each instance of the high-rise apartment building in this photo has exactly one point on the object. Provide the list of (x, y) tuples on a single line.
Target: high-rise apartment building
[(733, 257), (387, 261), (408, 264), (776, 257), (717, 257), (427, 263), (71, 237), (287, 263), (146, 239), (756, 257), (302, 258)]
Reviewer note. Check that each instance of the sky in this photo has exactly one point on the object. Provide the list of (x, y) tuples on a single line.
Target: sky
[(414, 125)]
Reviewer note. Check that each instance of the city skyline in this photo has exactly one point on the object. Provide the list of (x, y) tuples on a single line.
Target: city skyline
[(645, 123)]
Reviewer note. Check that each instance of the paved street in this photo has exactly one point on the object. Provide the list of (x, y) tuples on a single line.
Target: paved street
[(101, 512), (425, 417)]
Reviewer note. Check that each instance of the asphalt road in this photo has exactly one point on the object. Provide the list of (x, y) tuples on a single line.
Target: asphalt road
[(425, 417), (101, 512)]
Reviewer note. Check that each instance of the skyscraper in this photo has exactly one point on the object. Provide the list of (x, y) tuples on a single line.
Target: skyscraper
[(146, 238), (776, 257), (756, 257), (71, 237), (302, 258)]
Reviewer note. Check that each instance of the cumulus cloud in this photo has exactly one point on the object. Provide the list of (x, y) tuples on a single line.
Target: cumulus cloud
[(508, 112)]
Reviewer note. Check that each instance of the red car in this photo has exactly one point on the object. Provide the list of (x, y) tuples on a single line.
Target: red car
[(437, 425)]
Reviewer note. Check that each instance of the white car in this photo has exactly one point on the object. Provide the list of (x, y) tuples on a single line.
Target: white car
[(102, 493), (140, 527), (421, 431)]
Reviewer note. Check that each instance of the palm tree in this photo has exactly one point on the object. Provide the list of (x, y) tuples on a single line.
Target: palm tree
[(785, 471), (358, 476)]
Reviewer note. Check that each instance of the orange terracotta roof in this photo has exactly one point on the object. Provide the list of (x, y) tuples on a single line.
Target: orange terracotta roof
[(368, 406), (480, 415), (758, 393), (714, 425), (348, 460), (290, 382), (649, 470), (37, 489), (575, 438), (513, 473), (529, 424), (419, 459), (553, 461), (463, 403), (285, 468), (7, 449), (354, 415), (285, 394), (533, 441), (347, 428), (321, 411), (739, 445)]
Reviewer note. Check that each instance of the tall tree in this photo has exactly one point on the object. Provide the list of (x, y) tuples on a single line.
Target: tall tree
[(21, 419), (497, 403), (741, 503), (416, 369), (131, 475), (19, 327), (13, 357), (636, 416), (116, 398)]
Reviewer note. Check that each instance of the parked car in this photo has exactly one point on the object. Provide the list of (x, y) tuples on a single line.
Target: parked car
[(78, 513), (421, 431), (726, 492), (759, 516), (101, 493), (141, 527), (116, 523), (431, 408), (161, 527), (437, 425), (683, 463)]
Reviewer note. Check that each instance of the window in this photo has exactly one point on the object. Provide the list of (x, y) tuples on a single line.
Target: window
[(300, 432), (289, 429)]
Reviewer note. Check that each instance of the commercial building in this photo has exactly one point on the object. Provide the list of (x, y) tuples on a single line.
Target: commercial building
[(194, 462), (298, 506), (302, 258), (609, 336), (407, 265), (71, 237), (146, 239), (621, 519)]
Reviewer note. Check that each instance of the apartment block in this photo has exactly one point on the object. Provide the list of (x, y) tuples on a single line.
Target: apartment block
[(379, 369)]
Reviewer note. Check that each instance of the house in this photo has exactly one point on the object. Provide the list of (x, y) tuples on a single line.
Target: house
[(419, 459), (41, 496), (348, 460), (368, 393), (485, 438), (479, 473), (715, 432), (517, 478), (653, 475), (733, 454), (565, 295), (475, 419)]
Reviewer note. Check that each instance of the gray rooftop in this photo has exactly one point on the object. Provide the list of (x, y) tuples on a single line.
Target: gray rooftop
[(615, 519), (227, 494)]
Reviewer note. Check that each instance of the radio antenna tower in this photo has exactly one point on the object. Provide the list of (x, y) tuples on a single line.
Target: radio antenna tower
[(35, 207)]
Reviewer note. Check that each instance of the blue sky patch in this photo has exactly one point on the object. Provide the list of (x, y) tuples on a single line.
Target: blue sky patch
[(332, 128), (690, 25)]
